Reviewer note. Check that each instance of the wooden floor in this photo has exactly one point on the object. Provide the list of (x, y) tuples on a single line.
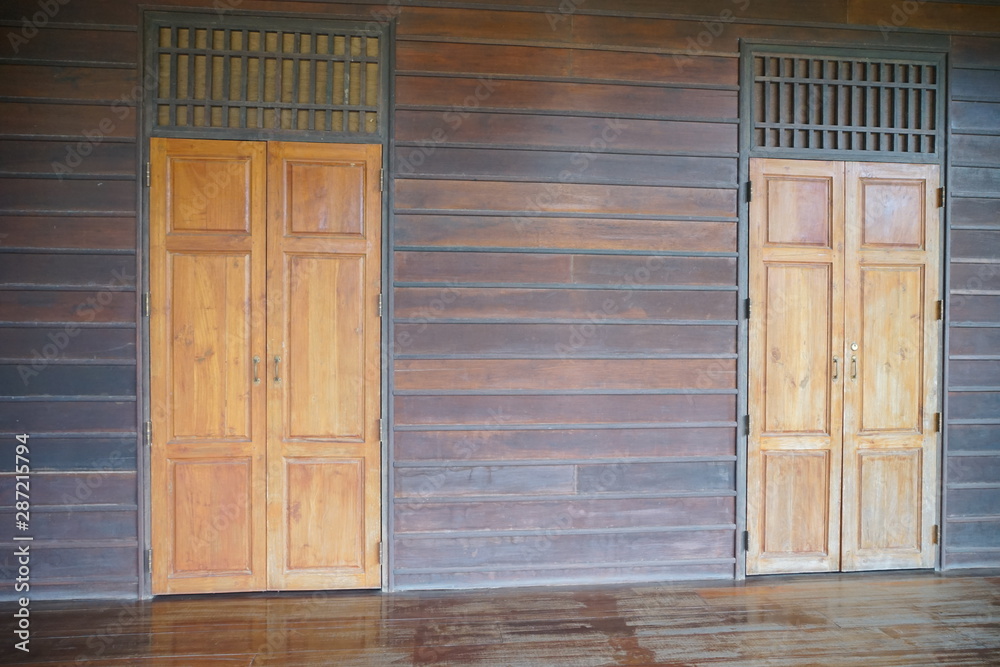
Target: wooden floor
[(867, 619)]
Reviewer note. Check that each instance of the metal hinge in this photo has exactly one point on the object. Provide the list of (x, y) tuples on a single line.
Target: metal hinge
[(939, 310), (746, 422), (381, 552), (381, 429), (940, 197), (149, 433), (749, 191), (380, 305), (149, 560), (747, 303), (934, 534), (746, 540), (148, 174), (937, 422), (145, 304), (381, 180)]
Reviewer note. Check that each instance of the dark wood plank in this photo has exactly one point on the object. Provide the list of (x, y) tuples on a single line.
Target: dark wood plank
[(479, 24), (943, 16), (976, 308), (975, 51), (65, 159), (564, 199), (35, 345), (76, 454), (974, 405), (980, 373), (657, 477), (67, 83), (38, 306), (78, 524), (585, 409), (71, 232), (624, 271), (660, 34), (555, 446), (974, 437), (977, 84), (431, 128), (101, 487), (68, 417), (605, 513), (91, 124), (573, 374), (563, 340), (975, 244), (38, 379), (973, 534), (467, 94), (976, 181), (975, 277), (74, 567), (111, 271), (98, 11), (550, 650), (975, 212), (415, 484), (85, 46), (972, 502), (36, 195), (975, 149), (570, 233), (564, 167), (975, 116)]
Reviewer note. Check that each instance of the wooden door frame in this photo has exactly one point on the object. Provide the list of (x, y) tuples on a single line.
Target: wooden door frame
[(146, 119), (937, 52)]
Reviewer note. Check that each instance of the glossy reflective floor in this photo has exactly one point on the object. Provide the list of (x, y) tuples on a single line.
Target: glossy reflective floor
[(858, 619)]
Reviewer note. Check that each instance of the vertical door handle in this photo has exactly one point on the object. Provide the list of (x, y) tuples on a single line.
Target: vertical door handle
[(854, 367), (256, 361), (277, 375), (836, 369)]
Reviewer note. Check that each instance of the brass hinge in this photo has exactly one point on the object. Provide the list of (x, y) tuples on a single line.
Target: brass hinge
[(148, 174), (934, 534), (149, 434), (145, 304), (939, 309), (940, 197), (937, 422), (749, 191)]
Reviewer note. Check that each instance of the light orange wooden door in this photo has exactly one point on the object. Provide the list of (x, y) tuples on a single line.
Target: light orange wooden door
[(844, 356), (796, 374), (265, 365), (324, 456), (207, 275), (891, 392)]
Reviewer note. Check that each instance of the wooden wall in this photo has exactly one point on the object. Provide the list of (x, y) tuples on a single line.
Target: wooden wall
[(564, 254)]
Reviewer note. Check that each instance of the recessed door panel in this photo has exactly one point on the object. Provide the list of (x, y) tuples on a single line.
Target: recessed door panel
[(320, 494), (209, 194), (889, 487), (325, 197), (796, 489)]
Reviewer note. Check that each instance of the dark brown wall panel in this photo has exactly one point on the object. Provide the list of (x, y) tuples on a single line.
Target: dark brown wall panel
[(68, 232), (76, 46), (66, 83)]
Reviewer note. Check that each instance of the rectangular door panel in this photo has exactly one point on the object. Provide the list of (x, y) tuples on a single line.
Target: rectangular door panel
[(890, 490), (209, 194), (324, 197), (321, 492), (796, 507)]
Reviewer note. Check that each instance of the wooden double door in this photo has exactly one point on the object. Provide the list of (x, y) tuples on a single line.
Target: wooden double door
[(844, 365), (265, 365)]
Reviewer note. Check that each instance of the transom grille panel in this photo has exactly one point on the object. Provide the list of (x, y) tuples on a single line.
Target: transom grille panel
[(809, 103), (248, 74)]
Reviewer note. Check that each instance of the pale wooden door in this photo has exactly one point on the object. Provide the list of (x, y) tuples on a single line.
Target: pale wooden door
[(796, 374), (891, 392), (265, 365), (324, 457), (207, 281), (844, 356)]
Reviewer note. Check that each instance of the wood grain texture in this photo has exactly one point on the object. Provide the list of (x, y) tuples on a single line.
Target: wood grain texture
[(75, 46), (66, 83), (70, 232)]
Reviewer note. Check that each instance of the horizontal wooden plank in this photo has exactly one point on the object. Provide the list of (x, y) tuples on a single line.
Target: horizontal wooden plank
[(975, 116), (975, 244), (594, 306), (69, 232), (111, 271), (972, 502), (975, 340), (975, 212), (79, 524), (480, 24), (552, 549), (660, 34), (37, 345), (944, 16), (973, 534), (25, 195), (975, 149), (98, 11), (507, 60), (466, 94), (975, 51), (432, 128), (554, 515), (85, 46), (975, 276), (979, 373), (976, 181), (563, 340), (563, 198), (564, 233), (974, 437), (586, 409), (980, 558), (974, 405), (66, 159), (415, 484), (570, 576), (566, 374), (67, 83), (38, 306), (657, 477), (832, 11), (535, 268), (67, 417), (92, 123), (976, 308), (565, 167), (76, 454), (100, 487), (570, 444), (981, 84), (40, 379), (75, 564)]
